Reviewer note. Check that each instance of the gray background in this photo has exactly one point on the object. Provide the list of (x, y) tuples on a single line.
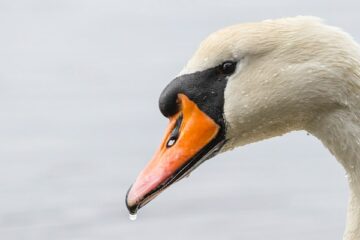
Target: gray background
[(79, 83)]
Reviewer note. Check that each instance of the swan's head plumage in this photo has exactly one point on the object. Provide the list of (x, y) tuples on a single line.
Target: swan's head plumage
[(289, 72), (246, 83)]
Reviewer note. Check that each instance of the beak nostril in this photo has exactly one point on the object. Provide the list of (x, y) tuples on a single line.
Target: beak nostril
[(175, 132), (171, 142)]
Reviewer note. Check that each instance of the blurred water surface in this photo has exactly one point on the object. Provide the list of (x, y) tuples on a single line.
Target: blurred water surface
[(79, 83)]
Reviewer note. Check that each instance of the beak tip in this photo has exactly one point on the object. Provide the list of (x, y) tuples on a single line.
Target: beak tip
[(131, 206)]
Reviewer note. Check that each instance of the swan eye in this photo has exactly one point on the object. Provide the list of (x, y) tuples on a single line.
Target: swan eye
[(228, 67)]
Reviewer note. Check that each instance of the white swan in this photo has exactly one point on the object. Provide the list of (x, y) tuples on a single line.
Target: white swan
[(254, 81)]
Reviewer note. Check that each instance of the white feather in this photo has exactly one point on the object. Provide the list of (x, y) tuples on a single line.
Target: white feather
[(293, 73)]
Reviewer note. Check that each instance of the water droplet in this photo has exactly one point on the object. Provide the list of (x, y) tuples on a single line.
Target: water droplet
[(132, 217)]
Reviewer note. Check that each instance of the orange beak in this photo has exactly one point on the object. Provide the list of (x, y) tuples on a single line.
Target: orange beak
[(184, 146)]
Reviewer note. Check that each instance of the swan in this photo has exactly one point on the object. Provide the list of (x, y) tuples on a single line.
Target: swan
[(254, 81)]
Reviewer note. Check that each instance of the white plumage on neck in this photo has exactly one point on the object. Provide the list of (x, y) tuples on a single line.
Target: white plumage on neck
[(293, 74), (340, 133)]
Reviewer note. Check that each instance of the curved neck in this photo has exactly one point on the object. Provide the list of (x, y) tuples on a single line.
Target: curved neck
[(340, 133)]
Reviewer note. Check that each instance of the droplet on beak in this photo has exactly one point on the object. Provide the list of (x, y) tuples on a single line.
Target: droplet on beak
[(132, 217)]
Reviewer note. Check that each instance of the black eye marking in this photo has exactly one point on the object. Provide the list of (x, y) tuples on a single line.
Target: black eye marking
[(228, 67), (175, 133), (206, 88)]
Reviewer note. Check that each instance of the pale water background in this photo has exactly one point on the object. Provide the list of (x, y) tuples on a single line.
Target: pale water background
[(79, 84)]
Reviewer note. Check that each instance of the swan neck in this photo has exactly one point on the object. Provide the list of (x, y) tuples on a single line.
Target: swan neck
[(340, 133)]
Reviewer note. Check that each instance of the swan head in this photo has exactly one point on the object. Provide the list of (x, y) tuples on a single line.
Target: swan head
[(246, 83)]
